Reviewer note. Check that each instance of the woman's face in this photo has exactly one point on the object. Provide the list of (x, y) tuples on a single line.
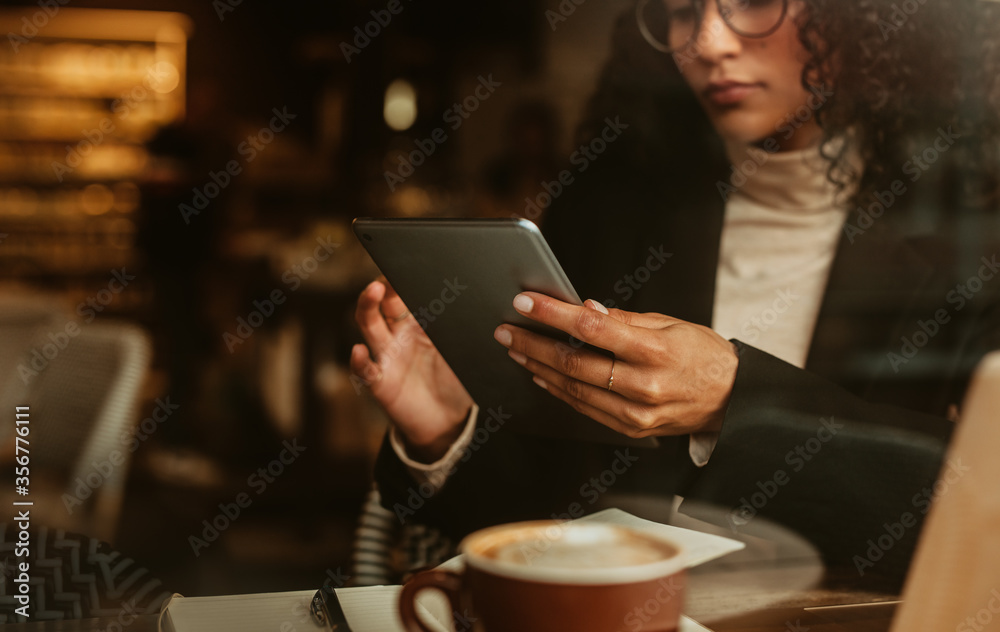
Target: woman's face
[(751, 88)]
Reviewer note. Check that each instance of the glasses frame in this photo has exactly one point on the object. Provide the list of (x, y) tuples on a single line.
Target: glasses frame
[(640, 8)]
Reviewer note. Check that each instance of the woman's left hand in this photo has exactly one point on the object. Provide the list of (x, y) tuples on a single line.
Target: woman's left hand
[(670, 377)]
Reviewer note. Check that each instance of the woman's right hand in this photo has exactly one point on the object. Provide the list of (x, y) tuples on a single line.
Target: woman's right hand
[(406, 374)]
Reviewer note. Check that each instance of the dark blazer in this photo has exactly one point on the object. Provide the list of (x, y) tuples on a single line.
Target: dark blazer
[(849, 445)]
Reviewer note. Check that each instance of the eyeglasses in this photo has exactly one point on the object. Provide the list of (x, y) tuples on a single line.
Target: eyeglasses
[(672, 25)]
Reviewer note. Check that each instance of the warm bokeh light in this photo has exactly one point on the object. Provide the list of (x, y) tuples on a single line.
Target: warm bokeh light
[(164, 77), (127, 197), (400, 109), (96, 199)]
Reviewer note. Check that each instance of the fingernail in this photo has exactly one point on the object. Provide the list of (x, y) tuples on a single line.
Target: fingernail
[(539, 381), (520, 358), (503, 336), (523, 303), (595, 305)]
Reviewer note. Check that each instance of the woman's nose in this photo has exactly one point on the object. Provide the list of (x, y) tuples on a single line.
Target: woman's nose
[(714, 40)]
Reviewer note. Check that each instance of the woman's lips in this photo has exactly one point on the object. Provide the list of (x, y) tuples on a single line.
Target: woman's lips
[(730, 92)]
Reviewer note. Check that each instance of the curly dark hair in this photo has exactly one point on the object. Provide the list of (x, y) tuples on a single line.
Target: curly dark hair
[(899, 71)]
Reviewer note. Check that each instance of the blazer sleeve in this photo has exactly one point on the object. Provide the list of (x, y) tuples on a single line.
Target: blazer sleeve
[(503, 476), (855, 478)]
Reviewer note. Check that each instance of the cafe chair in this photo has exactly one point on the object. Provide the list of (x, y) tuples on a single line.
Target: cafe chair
[(71, 576), (82, 390), (21, 319), (954, 581)]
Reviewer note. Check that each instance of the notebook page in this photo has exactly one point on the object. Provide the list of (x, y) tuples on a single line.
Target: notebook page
[(368, 609), (266, 611)]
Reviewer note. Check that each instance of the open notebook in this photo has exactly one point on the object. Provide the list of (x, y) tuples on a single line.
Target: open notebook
[(374, 609)]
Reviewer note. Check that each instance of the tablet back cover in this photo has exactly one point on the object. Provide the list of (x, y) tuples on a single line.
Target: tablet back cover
[(459, 278)]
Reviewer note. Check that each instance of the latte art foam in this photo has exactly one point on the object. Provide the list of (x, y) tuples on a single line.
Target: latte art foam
[(577, 547), (571, 555)]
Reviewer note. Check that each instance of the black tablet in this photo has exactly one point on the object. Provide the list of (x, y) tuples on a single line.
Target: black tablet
[(459, 278)]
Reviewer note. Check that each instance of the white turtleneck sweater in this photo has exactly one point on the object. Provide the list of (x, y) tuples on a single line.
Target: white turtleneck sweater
[(778, 241), (780, 233), (779, 237)]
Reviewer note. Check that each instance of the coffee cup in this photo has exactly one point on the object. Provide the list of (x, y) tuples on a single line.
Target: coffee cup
[(548, 575)]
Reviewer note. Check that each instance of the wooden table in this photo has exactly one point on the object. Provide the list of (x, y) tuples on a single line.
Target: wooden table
[(775, 597), (873, 617)]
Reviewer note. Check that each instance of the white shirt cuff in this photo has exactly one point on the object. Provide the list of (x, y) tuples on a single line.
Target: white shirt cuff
[(437, 473), (701, 446)]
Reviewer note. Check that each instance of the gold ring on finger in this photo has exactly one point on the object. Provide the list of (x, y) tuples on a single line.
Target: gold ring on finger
[(401, 317)]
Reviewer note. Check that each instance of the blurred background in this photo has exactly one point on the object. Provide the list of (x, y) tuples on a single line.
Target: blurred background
[(177, 181)]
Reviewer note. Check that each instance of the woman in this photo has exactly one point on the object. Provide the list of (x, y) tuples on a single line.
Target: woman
[(797, 342)]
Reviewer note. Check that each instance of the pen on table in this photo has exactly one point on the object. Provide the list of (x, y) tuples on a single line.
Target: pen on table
[(326, 609), (854, 605)]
